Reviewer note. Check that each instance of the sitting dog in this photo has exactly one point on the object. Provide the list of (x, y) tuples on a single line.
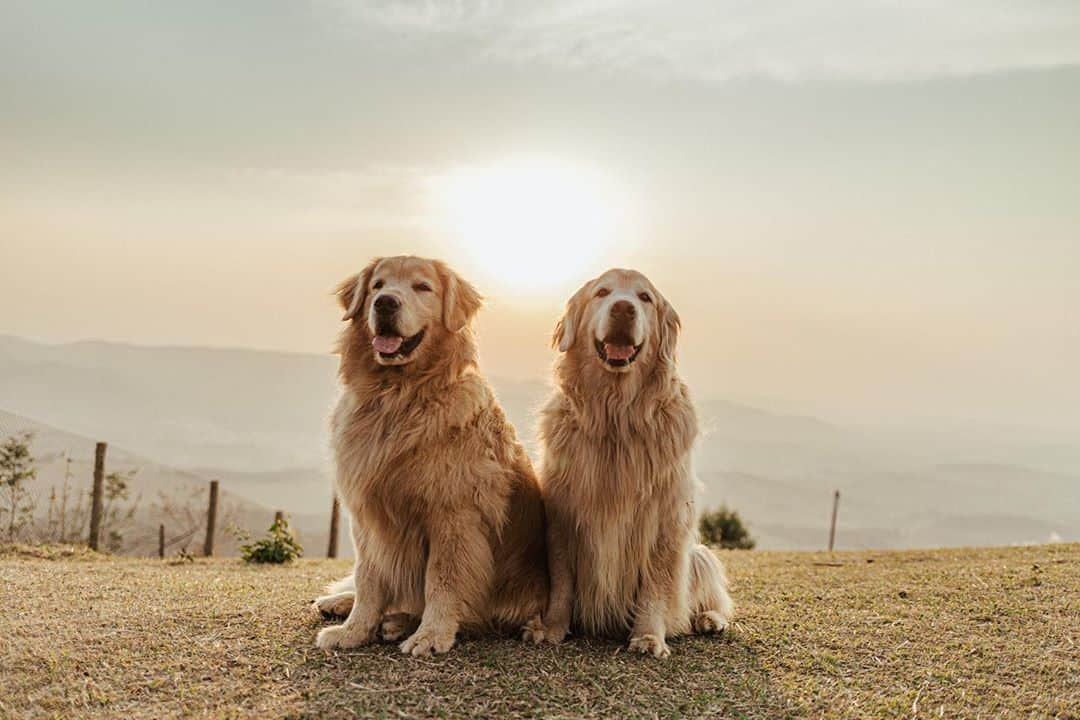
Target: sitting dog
[(617, 480), (447, 516)]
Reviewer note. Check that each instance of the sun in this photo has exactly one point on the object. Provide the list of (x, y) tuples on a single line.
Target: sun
[(531, 225)]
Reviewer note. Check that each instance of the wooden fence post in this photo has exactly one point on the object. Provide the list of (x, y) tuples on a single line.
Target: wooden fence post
[(161, 541), (335, 512), (832, 525), (211, 520), (96, 501)]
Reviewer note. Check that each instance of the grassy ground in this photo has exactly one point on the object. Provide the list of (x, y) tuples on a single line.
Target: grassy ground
[(953, 633)]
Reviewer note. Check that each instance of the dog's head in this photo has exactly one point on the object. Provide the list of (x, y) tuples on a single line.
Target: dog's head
[(406, 308), (621, 321)]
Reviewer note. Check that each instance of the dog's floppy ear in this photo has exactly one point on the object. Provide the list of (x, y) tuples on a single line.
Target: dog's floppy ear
[(566, 328), (669, 326), (352, 292), (461, 301)]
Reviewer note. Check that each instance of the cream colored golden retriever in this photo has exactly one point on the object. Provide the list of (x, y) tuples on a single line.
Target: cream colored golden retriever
[(617, 480), (447, 516)]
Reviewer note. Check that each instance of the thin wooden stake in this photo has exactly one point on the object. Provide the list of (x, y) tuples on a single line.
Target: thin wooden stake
[(832, 525), (335, 512), (96, 501), (211, 520), (161, 541)]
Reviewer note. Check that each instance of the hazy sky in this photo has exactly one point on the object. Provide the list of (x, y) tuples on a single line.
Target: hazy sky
[(861, 209)]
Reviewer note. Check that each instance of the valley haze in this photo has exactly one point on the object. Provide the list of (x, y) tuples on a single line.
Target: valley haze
[(257, 421)]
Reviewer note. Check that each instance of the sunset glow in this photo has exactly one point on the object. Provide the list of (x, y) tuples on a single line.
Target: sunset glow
[(530, 225)]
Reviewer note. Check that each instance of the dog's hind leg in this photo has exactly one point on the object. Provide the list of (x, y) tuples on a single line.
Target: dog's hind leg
[(397, 625), (338, 600), (711, 607)]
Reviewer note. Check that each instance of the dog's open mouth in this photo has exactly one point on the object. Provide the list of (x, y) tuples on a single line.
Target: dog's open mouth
[(396, 347), (617, 354)]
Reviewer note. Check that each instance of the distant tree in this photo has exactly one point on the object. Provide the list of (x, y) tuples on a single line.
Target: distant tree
[(60, 515), (724, 528), (16, 470), (115, 517), (182, 512), (71, 519)]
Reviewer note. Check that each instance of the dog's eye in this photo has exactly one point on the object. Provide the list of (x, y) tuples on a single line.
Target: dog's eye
[(645, 297), (421, 287), (377, 285), (603, 292)]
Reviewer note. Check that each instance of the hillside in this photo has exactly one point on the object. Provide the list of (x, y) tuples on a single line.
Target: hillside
[(161, 494), (257, 420), (951, 633), (239, 410)]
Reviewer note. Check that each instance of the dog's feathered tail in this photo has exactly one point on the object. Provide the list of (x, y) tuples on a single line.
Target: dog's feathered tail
[(345, 584), (709, 587)]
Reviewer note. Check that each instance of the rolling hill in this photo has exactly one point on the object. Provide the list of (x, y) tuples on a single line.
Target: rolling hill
[(160, 494), (257, 420)]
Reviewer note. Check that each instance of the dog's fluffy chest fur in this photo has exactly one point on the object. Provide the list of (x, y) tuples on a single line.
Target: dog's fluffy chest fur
[(624, 482), (397, 461), (375, 443), (615, 458)]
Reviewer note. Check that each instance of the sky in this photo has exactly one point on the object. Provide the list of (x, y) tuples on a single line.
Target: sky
[(862, 210)]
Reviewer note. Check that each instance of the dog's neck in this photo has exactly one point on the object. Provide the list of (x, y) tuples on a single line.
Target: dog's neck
[(429, 376), (623, 405)]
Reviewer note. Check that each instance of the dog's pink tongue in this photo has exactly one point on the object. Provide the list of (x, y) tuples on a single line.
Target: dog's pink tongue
[(618, 352), (386, 344)]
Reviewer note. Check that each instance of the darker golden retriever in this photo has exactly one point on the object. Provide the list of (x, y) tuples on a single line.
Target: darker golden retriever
[(447, 517)]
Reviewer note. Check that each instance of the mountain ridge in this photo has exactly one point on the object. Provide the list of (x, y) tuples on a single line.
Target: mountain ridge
[(258, 419)]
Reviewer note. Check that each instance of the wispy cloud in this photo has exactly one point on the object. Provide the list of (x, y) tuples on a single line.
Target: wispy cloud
[(372, 199), (717, 40)]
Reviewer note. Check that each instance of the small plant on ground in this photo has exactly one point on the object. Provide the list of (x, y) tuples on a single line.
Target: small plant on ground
[(724, 528), (279, 546), (183, 557)]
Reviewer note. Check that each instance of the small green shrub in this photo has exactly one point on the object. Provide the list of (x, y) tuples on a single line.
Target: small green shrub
[(724, 528), (280, 546)]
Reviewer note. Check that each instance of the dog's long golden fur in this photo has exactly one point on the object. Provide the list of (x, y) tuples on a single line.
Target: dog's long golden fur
[(616, 476), (447, 517)]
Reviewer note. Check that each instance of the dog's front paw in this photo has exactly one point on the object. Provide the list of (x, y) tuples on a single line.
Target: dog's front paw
[(536, 631), (343, 636), (709, 621), (650, 645), (429, 640)]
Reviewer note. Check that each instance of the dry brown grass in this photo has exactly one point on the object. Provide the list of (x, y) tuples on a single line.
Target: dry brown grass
[(952, 633)]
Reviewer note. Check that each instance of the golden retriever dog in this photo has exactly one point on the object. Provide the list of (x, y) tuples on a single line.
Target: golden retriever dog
[(447, 516), (616, 476)]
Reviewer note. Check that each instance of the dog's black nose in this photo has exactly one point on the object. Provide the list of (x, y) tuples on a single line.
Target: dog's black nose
[(623, 310), (386, 304)]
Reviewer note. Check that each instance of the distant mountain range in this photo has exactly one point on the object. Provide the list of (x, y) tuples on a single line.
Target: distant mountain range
[(257, 421)]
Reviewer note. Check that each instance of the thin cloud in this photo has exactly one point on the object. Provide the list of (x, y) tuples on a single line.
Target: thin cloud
[(375, 198), (719, 40)]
